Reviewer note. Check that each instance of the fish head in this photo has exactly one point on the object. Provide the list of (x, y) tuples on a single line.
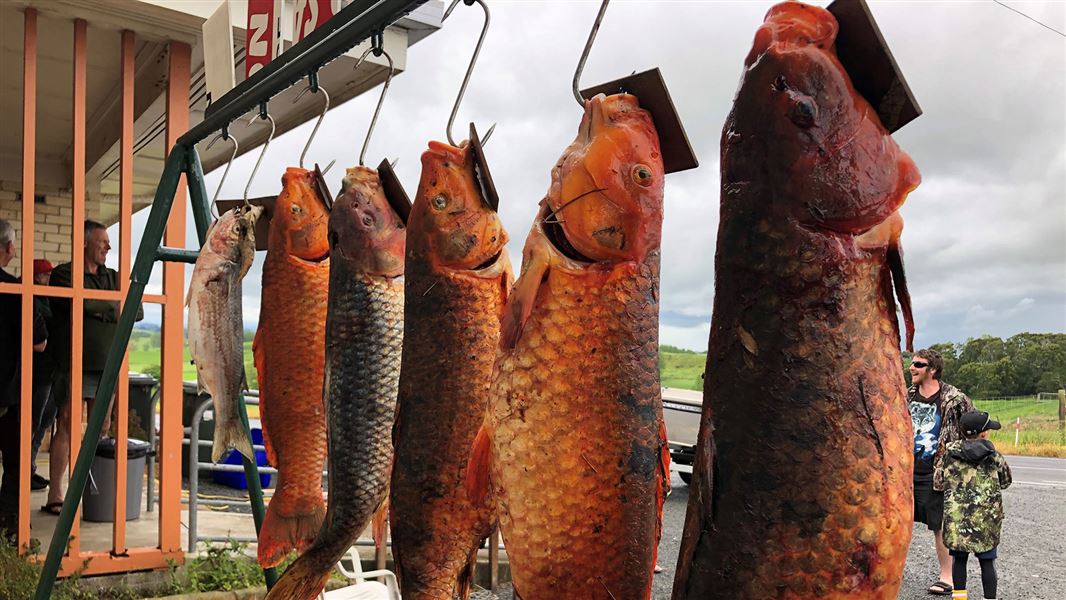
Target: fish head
[(364, 229), (298, 225), (606, 198), (798, 124), (233, 236), (452, 224)]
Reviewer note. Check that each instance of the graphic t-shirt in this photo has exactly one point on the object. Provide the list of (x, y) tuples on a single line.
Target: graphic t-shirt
[(926, 417)]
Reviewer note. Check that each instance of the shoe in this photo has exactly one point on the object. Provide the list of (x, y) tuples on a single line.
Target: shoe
[(37, 482), (941, 588)]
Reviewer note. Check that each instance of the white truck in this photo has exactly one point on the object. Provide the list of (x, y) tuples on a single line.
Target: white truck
[(681, 411)]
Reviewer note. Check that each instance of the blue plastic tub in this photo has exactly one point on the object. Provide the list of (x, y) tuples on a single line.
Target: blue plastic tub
[(237, 480)]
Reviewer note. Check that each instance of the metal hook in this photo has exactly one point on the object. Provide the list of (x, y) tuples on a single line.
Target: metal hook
[(585, 54), (262, 153), (377, 50), (470, 68), (314, 88), (222, 136)]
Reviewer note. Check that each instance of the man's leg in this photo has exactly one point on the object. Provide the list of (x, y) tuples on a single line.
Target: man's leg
[(943, 556), (59, 454)]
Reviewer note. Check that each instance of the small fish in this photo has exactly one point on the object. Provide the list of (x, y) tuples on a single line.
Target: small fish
[(216, 328), (574, 441), (457, 277), (289, 351), (802, 483), (364, 336)]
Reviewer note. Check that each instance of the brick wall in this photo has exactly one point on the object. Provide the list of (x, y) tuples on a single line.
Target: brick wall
[(51, 225)]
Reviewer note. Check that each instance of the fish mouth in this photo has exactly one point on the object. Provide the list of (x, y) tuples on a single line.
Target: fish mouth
[(488, 264), (314, 260), (556, 236)]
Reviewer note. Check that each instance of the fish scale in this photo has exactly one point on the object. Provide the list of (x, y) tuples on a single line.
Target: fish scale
[(563, 413), (448, 315)]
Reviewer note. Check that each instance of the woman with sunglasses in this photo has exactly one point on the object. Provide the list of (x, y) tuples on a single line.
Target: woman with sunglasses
[(936, 413)]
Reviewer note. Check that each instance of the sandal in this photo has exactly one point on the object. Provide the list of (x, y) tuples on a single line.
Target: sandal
[(52, 508), (941, 588)]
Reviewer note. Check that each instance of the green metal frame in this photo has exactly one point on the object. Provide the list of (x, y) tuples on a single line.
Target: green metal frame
[(353, 24)]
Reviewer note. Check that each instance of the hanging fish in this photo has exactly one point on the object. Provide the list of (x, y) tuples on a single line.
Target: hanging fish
[(574, 435), (289, 350), (457, 277), (364, 336), (216, 328), (802, 482)]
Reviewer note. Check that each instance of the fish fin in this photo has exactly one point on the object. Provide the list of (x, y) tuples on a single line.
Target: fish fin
[(477, 468), (380, 524), (466, 576), (521, 300), (231, 435), (899, 281), (282, 533), (303, 580)]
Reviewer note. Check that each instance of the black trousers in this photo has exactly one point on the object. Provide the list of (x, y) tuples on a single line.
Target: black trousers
[(989, 580), (9, 448)]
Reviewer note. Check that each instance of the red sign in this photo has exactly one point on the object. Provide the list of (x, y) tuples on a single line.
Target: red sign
[(263, 34), (310, 14)]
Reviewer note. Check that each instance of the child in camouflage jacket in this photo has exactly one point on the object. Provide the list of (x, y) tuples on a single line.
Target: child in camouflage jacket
[(974, 474)]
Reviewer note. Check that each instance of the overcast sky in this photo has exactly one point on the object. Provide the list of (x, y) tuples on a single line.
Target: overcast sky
[(985, 234)]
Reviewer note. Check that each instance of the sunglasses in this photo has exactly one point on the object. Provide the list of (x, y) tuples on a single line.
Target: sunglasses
[(919, 365)]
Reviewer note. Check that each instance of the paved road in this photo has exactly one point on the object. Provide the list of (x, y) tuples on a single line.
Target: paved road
[(1032, 558)]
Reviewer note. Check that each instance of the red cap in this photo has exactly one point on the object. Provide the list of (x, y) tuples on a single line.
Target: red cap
[(41, 265)]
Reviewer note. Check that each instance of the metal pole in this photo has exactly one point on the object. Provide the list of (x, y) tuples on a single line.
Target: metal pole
[(201, 209), (153, 235), (255, 489), (194, 470)]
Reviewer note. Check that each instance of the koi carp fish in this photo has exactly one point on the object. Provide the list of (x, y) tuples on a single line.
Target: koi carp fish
[(289, 349), (572, 447), (457, 278), (802, 482)]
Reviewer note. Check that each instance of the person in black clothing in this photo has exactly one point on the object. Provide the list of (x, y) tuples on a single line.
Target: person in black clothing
[(44, 408), (11, 382)]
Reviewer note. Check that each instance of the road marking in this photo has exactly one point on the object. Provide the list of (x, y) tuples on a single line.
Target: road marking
[(1051, 484)]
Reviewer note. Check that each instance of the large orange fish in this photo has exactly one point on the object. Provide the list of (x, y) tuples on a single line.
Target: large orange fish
[(574, 434), (289, 349), (457, 277), (802, 482)]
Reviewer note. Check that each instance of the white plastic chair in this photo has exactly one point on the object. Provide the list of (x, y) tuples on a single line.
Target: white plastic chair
[(363, 589)]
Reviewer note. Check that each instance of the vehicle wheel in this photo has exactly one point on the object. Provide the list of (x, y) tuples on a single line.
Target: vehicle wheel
[(686, 477)]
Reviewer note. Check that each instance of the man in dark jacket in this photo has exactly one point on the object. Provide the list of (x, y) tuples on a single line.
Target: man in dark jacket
[(936, 411), (11, 382), (100, 324)]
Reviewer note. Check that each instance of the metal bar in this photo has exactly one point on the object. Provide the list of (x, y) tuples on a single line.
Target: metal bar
[(126, 55), (201, 209), (29, 149), (63, 292), (349, 27), (173, 333), (255, 490), (149, 461), (494, 560), (176, 255), (77, 283), (164, 198), (194, 470)]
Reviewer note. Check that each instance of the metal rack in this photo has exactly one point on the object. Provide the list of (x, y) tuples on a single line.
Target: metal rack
[(350, 26)]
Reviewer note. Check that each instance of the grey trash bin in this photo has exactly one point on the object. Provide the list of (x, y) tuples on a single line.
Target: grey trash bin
[(98, 501)]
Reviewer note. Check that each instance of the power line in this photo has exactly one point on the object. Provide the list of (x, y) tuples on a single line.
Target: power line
[(1044, 25)]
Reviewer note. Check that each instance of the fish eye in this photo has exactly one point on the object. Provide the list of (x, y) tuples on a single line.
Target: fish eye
[(439, 201), (803, 112), (294, 209), (642, 175), (368, 220)]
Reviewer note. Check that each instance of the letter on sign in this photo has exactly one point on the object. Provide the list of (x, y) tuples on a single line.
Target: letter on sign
[(263, 35), (310, 14)]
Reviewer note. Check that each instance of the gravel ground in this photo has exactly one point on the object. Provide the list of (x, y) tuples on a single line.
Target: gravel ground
[(1032, 557)]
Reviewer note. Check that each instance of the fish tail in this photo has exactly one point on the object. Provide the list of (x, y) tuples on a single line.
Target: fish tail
[(303, 580), (466, 577), (228, 435), (284, 532)]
